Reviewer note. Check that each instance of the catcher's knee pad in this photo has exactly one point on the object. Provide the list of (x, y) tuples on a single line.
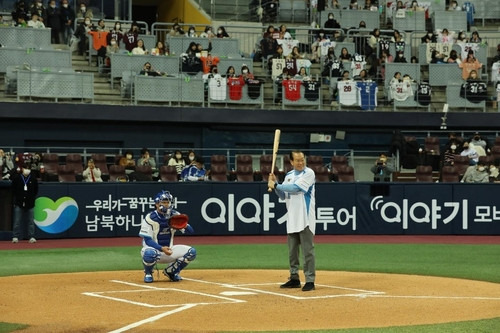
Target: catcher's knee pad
[(150, 257), (190, 255)]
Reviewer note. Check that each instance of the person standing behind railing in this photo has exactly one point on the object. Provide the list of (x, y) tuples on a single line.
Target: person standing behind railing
[(67, 20)]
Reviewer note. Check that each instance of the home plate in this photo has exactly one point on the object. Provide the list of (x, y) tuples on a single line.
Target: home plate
[(237, 293)]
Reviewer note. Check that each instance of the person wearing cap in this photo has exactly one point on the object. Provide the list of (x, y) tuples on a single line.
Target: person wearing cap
[(35, 22), (24, 190), (195, 171)]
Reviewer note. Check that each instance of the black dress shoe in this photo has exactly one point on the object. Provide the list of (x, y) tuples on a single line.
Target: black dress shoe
[(308, 286), (292, 283)]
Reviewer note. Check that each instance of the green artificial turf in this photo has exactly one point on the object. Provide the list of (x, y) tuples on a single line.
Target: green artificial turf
[(475, 262)]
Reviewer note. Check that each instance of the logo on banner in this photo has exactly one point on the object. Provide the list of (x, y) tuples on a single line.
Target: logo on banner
[(55, 217)]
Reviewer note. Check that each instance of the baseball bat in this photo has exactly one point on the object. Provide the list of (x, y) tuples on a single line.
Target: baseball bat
[(276, 145)]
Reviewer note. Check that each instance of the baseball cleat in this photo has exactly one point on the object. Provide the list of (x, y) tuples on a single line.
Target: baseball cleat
[(292, 283), (148, 278), (15, 240), (172, 276), (32, 240)]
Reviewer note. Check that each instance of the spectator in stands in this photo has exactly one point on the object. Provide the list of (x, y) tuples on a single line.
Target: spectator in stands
[(192, 32), (400, 57), (131, 37), (268, 44), (221, 32), (385, 58), (430, 37), (270, 10), (372, 42), (127, 161), (195, 171), (301, 74), (283, 32), (475, 38), (317, 46), (454, 6), (330, 25), (140, 49), (147, 160), (110, 49), (92, 174), (38, 8), (81, 33), (444, 36), (115, 33), (469, 64), (414, 60), (148, 70), (245, 73), (414, 7), (476, 174), (6, 165), (497, 56), (363, 76), (437, 58), (277, 55), (176, 30), (494, 175), (345, 55), (191, 62), (67, 20), (462, 37), (101, 25), (369, 5), (353, 5), (178, 162), (295, 54), (83, 12), (191, 155), (328, 63), (473, 76), (21, 22), (159, 49), (230, 72), (397, 37), (20, 9), (207, 33), (35, 22), (469, 152), (453, 58), (54, 21), (479, 141), (381, 171)]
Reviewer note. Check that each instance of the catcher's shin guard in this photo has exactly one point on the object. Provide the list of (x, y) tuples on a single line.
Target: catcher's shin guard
[(173, 270), (149, 260)]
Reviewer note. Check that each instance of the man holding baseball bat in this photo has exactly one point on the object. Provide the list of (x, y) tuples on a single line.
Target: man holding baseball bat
[(298, 191), (157, 232)]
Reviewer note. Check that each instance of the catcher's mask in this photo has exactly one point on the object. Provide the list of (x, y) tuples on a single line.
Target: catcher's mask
[(163, 201)]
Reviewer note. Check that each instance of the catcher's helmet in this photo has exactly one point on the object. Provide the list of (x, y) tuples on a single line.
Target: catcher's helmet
[(164, 196)]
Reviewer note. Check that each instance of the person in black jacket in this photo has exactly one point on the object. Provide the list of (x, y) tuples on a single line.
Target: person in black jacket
[(25, 190)]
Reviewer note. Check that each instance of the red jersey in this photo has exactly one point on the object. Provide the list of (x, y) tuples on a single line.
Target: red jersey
[(292, 89), (235, 87), (208, 62)]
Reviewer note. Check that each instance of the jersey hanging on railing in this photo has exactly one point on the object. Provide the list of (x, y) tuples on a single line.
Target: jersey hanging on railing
[(474, 92), (348, 93), (292, 89), (423, 95), (311, 90), (367, 94)]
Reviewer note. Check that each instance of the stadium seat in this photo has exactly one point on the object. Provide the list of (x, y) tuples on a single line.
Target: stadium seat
[(423, 174), (168, 173), (461, 163), (314, 161), (66, 173), (75, 161), (449, 174), (322, 174), (265, 167), (244, 173), (101, 163), (218, 172), (117, 173), (51, 163), (346, 174), (487, 160), (143, 173), (338, 161), (431, 145)]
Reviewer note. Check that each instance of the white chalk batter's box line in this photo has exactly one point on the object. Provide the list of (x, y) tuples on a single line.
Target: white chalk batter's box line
[(245, 288)]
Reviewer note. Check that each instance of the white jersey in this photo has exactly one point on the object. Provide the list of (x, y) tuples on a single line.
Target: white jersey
[(301, 205), (217, 86), (495, 72), (287, 45), (357, 67), (400, 91), (348, 93), (277, 67)]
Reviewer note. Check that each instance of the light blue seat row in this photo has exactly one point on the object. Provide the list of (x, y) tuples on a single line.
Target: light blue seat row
[(220, 46), (149, 43), (25, 37), (124, 62), (413, 21), (351, 18), (455, 101), (55, 85), (169, 89), (451, 20), (443, 74), (33, 58)]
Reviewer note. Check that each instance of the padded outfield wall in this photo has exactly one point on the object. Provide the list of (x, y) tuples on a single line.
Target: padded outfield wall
[(74, 210)]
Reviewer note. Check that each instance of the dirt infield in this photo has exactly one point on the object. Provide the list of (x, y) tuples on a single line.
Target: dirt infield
[(238, 300)]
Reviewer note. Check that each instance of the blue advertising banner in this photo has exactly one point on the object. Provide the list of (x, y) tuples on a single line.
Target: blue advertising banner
[(74, 210)]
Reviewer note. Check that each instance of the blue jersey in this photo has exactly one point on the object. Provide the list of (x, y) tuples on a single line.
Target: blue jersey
[(468, 7), (155, 230), (192, 173), (367, 93)]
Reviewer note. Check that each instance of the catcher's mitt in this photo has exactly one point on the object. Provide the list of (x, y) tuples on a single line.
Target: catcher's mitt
[(179, 221)]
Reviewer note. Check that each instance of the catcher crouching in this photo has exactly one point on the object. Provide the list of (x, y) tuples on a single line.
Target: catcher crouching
[(157, 232)]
